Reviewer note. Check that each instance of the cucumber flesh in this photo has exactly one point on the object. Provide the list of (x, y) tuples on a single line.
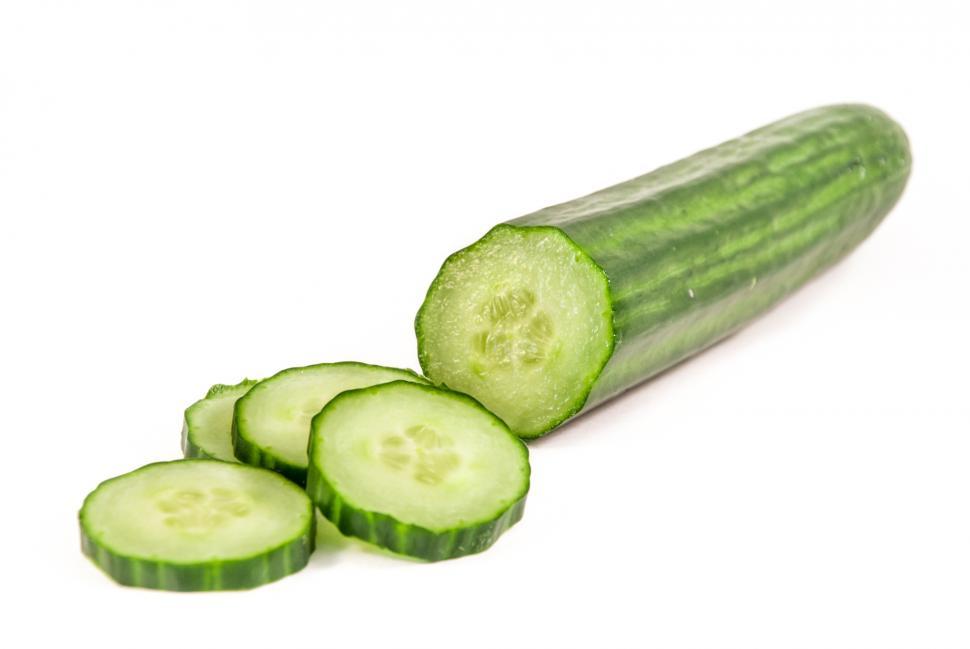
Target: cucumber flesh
[(207, 429), (522, 322), (641, 275), (416, 469), (197, 524), (271, 423)]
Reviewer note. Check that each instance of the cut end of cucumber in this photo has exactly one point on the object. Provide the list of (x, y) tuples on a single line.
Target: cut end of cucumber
[(522, 321), (417, 469)]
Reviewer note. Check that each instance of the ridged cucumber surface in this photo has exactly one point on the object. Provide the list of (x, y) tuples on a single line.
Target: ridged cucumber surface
[(271, 422), (207, 427), (418, 470), (553, 313), (197, 524)]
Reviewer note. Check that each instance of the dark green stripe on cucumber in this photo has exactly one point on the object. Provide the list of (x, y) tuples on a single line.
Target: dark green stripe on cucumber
[(555, 312)]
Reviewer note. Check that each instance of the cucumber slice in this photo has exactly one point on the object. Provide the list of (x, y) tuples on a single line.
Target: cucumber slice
[(197, 524), (416, 469), (560, 310), (207, 429), (271, 423)]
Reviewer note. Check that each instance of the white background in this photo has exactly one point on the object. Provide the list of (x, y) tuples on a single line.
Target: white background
[(196, 191)]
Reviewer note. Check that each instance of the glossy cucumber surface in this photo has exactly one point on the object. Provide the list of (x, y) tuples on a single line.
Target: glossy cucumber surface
[(674, 260)]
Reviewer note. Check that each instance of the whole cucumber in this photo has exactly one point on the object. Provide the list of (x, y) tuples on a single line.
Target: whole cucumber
[(553, 313)]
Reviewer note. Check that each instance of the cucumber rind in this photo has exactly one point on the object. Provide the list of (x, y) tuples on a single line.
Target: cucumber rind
[(651, 233), (398, 536), (586, 385), (221, 388), (237, 573), (190, 446), (249, 451)]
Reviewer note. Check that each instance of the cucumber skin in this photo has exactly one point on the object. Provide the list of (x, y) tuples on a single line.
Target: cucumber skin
[(237, 574), (405, 538), (695, 250), (250, 453), (189, 448)]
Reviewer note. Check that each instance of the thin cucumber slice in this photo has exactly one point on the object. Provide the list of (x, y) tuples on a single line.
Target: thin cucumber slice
[(558, 311), (207, 428), (197, 524), (418, 470), (271, 423)]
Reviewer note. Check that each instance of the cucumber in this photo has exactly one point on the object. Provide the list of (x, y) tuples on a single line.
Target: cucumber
[(553, 313), (271, 423), (418, 470), (207, 428), (197, 524)]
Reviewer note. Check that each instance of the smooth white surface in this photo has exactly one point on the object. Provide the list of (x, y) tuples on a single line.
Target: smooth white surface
[(193, 192)]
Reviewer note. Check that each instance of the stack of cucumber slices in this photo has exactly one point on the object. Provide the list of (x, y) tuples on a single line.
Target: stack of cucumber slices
[(419, 470), (545, 317)]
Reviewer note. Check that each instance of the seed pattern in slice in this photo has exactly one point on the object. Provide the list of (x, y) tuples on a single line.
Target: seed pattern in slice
[(520, 320), (271, 423), (422, 451), (513, 330), (416, 469), (197, 524)]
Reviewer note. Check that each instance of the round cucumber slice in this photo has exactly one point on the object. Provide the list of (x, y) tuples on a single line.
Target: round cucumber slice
[(207, 429), (522, 320), (271, 423), (416, 469), (197, 524)]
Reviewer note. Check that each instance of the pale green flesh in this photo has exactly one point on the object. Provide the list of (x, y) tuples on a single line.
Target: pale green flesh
[(425, 457), (276, 415), (194, 511), (209, 422), (522, 321)]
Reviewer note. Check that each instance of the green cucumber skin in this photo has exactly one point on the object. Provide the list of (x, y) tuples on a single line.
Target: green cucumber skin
[(236, 574), (249, 453), (404, 538), (401, 538), (239, 574), (697, 249)]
